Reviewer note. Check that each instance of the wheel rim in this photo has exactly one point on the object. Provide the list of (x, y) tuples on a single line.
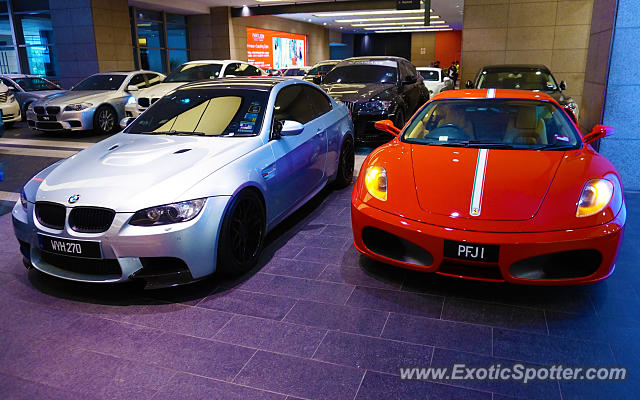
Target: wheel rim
[(347, 160), (106, 120), (246, 228)]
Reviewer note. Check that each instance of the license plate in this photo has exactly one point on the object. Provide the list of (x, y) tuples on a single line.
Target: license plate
[(76, 248), (46, 117), (471, 251)]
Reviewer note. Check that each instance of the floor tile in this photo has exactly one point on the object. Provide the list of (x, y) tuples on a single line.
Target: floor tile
[(326, 292), (249, 303), (396, 301), (498, 315), (294, 268)]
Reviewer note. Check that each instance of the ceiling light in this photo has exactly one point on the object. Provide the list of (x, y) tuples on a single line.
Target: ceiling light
[(386, 19), (439, 27), (375, 12), (416, 30), (398, 23)]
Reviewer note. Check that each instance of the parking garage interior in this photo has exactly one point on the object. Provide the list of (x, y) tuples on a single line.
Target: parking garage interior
[(315, 318)]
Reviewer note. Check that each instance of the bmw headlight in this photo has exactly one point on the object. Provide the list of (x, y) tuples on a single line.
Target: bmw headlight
[(23, 199), (596, 195), (376, 105), (375, 180), (169, 213), (77, 107), (131, 100)]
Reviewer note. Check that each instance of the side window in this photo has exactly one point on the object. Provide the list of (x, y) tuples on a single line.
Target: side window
[(251, 71), (292, 104), (138, 80), (320, 102), (412, 70), (7, 82), (402, 71), (232, 69), (153, 79)]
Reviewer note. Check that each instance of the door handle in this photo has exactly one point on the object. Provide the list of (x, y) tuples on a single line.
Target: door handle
[(320, 131)]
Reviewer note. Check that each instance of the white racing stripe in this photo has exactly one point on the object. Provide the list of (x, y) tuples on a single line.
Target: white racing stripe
[(22, 151), (9, 196), (491, 94), (478, 183), (46, 143)]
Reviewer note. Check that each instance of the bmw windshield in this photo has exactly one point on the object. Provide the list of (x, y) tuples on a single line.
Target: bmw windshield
[(493, 123), (524, 79), (35, 84), (194, 72), (362, 73), (201, 112), (100, 82)]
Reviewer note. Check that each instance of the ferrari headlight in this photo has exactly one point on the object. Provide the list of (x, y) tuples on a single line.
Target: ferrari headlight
[(131, 100), (375, 180), (77, 107), (23, 199), (596, 195), (168, 214)]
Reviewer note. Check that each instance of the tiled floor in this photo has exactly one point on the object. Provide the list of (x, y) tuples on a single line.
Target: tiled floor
[(316, 321)]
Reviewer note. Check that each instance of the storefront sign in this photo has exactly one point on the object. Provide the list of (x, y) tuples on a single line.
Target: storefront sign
[(272, 49), (408, 4)]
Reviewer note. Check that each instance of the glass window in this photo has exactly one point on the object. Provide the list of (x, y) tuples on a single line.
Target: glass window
[(8, 61), (320, 102), (204, 112), (176, 19), (101, 82), (292, 104), (138, 81), (152, 59), (158, 46), (176, 37), (30, 5), (194, 72), (35, 84), (493, 123), (177, 58), (362, 74), (430, 75), (149, 15), (150, 34), (153, 79), (525, 79), (231, 69)]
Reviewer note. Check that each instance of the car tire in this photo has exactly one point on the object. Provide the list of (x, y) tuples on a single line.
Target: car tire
[(346, 162), (105, 120), (242, 234)]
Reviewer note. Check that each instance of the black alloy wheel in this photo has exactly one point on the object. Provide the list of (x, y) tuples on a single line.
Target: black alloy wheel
[(242, 234), (345, 164)]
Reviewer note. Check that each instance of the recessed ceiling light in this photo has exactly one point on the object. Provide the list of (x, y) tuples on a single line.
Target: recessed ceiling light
[(415, 30), (399, 23), (439, 27), (375, 12), (386, 19)]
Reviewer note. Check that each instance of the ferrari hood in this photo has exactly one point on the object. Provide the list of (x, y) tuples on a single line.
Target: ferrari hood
[(130, 172), (356, 91), (159, 90), (501, 185)]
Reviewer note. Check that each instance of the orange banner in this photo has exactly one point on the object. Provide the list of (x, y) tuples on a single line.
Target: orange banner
[(272, 49)]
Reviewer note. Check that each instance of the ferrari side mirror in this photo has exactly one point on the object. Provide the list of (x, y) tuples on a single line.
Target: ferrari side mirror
[(386, 125), (598, 132)]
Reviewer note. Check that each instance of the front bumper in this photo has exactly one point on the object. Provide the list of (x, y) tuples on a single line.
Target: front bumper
[(365, 130), (133, 110), (193, 243), (10, 112), (516, 249), (62, 121)]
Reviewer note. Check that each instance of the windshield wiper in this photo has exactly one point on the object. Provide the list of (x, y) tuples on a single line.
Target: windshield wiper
[(493, 145), (453, 144), (552, 147), (179, 133)]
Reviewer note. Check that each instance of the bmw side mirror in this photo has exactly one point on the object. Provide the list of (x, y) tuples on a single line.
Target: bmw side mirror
[(132, 88), (598, 132), (386, 125), (563, 85), (410, 80), (317, 80), (291, 128), (468, 85), (126, 121)]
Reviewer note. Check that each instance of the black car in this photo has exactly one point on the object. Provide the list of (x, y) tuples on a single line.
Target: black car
[(320, 70), (524, 77), (376, 88)]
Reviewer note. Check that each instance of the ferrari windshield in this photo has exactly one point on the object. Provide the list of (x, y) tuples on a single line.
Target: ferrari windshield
[(363, 73), (194, 72), (202, 112), (525, 79), (493, 123), (101, 82)]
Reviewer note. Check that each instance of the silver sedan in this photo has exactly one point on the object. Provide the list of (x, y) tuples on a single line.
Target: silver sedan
[(190, 187), (95, 103)]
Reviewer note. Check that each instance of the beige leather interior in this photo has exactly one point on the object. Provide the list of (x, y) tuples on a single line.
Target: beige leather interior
[(443, 114), (526, 128)]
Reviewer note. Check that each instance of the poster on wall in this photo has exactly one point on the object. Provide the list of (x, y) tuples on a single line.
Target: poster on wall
[(272, 49)]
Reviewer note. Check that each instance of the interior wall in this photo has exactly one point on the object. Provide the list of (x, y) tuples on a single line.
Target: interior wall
[(423, 48), (550, 32), (317, 36), (448, 47), (112, 35)]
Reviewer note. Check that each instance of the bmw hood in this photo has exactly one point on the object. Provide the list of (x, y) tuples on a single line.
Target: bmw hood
[(500, 185), (47, 93), (129, 172), (72, 96), (358, 91), (159, 90)]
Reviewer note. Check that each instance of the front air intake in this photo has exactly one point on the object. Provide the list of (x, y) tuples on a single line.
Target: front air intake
[(91, 219), (51, 215)]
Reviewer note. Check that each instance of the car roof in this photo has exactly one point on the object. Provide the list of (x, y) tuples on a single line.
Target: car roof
[(375, 58), (265, 83), (127, 72), (497, 93), (514, 66), (215, 61), (428, 69)]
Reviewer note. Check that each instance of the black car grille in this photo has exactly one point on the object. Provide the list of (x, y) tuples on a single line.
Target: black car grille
[(143, 102), (351, 105), (38, 110), (53, 110), (82, 265), (51, 215), (90, 219)]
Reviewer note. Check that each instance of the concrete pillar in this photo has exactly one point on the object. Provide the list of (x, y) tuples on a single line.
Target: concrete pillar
[(209, 34), (112, 31)]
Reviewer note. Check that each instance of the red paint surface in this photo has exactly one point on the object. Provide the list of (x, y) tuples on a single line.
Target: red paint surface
[(448, 45)]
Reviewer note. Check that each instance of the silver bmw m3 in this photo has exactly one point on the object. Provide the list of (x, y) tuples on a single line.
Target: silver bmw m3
[(190, 187)]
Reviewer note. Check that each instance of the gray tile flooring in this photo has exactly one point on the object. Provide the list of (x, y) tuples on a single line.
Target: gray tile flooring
[(314, 321)]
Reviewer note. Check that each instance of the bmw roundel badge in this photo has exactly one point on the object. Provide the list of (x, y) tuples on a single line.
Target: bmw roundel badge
[(74, 198)]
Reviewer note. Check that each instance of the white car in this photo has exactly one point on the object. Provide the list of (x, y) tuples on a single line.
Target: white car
[(189, 72), (9, 106), (435, 80)]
